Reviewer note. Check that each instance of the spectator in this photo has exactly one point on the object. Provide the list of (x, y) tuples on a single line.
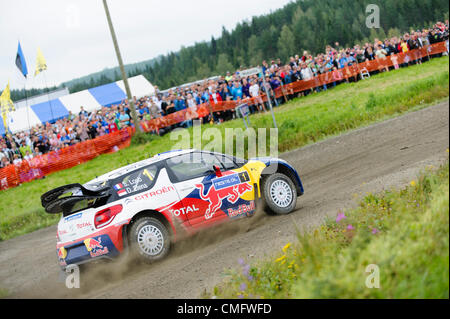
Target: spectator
[(17, 160), (4, 162), (124, 119), (83, 111), (255, 94), (233, 86), (236, 91)]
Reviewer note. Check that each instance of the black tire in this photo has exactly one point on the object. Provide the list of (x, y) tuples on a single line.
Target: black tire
[(287, 199), (145, 233)]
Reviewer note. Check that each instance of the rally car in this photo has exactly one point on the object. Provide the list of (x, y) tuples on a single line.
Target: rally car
[(145, 207)]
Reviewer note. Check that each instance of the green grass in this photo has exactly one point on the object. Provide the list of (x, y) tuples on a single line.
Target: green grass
[(3, 293), (301, 122), (404, 232)]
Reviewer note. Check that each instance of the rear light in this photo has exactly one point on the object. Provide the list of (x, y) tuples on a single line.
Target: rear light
[(105, 216)]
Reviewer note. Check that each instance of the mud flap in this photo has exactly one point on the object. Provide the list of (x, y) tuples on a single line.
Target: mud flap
[(256, 200)]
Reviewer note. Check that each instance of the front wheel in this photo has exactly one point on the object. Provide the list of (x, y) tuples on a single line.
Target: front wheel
[(149, 239), (279, 194)]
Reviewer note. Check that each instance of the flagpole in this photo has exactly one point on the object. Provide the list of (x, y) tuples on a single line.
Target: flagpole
[(26, 104), (22, 65), (48, 96)]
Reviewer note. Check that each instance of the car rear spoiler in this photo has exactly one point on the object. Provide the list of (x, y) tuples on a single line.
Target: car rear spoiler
[(54, 202)]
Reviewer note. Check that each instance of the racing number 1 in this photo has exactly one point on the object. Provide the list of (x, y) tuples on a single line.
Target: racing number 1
[(147, 173)]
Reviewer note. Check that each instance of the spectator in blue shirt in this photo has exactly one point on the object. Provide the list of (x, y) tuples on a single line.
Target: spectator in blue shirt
[(342, 61), (180, 104), (236, 91), (205, 96), (124, 119)]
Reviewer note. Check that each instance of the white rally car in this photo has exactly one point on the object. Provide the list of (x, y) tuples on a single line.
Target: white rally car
[(146, 206)]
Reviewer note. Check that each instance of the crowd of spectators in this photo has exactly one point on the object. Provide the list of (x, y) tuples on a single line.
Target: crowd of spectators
[(80, 127)]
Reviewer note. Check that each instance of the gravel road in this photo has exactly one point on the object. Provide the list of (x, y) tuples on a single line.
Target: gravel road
[(334, 172)]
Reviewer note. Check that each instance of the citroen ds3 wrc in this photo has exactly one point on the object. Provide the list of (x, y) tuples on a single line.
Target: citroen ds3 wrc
[(145, 207)]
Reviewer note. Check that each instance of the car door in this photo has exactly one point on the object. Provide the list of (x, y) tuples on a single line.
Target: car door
[(207, 198), (192, 175), (237, 181)]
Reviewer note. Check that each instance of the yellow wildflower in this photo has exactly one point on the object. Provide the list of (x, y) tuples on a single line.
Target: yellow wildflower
[(280, 259), (285, 248)]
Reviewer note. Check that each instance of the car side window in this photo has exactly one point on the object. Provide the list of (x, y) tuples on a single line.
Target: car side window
[(137, 181), (192, 165), (227, 161)]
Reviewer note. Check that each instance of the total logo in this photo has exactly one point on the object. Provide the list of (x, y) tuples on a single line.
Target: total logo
[(83, 225), (95, 248), (184, 210)]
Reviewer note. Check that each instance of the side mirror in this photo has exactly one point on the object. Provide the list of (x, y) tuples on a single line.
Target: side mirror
[(217, 171)]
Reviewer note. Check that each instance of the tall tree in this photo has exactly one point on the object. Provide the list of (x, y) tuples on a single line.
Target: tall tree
[(286, 43), (223, 64)]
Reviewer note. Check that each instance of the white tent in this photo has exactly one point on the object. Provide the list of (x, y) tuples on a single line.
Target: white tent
[(73, 102), (92, 99), (139, 86), (21, 119)]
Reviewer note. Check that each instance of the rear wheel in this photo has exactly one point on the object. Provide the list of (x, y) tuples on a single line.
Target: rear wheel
[(149, 239), (279, 194)]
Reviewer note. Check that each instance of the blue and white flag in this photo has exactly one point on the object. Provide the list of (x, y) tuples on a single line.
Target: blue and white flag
[(20, 62)]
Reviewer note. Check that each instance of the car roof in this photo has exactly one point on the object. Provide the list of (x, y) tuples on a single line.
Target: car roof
[(129, 168)]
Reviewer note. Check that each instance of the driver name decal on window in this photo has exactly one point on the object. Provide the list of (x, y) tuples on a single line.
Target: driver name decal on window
[(136, 182)]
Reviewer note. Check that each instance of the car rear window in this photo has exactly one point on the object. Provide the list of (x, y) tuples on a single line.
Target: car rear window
[(135, 182)]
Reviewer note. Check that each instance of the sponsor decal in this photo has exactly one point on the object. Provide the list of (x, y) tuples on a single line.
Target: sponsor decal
[(229, 187), (62, 232), (155, 193), (230, 180), (83, 225), (94, 247), (184, 210), (72, 217), (99, 252), (241, 210), (62, 253)]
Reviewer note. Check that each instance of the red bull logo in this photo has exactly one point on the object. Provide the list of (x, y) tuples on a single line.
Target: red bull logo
[(62, 253), (94, 247), (93, 244), (230, 187)]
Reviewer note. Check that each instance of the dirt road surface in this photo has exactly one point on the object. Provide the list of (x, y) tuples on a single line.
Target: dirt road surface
[(381, 156)]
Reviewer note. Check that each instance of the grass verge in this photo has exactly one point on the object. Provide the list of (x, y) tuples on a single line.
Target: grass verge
[(405, 233), (3, 293), (301, 121)]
